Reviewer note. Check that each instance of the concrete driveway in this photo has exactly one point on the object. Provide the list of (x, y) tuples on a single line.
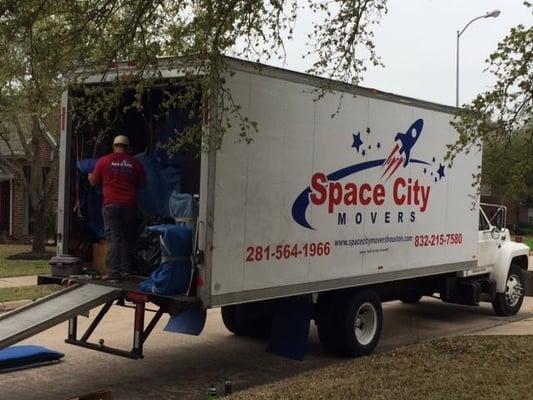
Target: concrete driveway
[(181, 367)]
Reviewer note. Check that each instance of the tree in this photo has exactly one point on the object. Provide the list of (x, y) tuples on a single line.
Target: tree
[(501, 119), (43, 41)]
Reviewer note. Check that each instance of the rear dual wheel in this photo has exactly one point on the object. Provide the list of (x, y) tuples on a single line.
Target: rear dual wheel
[(350, 323)]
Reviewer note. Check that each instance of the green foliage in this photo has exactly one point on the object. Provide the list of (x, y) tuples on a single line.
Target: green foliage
[(47, 41), (501, 119), (508, 168)]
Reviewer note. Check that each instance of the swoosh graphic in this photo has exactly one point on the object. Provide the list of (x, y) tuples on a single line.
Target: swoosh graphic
[(299, 207)]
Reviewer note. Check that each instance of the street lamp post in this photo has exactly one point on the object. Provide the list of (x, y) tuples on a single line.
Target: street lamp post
[(491, 14)]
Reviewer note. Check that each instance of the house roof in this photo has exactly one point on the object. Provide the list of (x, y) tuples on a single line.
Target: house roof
[(4, 175), (10, 143)]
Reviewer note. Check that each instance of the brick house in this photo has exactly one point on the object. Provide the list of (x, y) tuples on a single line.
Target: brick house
[(15, 210)]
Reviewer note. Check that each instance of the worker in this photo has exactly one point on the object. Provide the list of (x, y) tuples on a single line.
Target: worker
[(120, 175)]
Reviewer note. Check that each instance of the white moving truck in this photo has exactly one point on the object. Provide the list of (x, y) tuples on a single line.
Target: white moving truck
[(360, 208), (347, 211)]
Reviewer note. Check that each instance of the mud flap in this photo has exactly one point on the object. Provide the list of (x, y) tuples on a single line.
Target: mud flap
[(190, 322), (290, 327)]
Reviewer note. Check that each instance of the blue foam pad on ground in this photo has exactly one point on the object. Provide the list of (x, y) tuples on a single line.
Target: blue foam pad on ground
[(27, 356), (290, 328), (191, 322)]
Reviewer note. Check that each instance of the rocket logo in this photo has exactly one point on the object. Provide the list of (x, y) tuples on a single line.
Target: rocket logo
[(326, 189), (407, 141)]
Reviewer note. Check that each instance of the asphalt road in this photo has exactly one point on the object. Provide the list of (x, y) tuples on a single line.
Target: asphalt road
[(181, 367)]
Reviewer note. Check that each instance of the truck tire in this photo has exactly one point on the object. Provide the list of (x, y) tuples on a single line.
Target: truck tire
[(361, 322), (229, 317), (239, 322), (350, 324), (509, 303), (411, 298)]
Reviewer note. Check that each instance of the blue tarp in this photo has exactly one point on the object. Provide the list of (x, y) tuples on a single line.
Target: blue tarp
[(162, 169), (161, 181), (87, 165)]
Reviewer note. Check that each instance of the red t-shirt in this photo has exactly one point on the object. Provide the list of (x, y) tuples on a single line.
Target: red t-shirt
[(120, 175)]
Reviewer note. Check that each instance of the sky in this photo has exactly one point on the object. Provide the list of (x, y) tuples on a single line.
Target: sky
[(417, 43)]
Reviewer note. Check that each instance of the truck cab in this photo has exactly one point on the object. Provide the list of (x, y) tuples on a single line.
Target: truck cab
[(506, 261)]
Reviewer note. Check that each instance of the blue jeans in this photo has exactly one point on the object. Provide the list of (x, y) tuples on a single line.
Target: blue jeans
[(119, 222)]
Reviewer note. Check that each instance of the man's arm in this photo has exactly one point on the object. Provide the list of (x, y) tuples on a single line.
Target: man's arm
[(95, 177)]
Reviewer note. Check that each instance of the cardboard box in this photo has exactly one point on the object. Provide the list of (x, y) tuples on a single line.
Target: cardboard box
[(99, 255)]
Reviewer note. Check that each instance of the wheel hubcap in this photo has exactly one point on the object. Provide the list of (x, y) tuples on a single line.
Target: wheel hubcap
[(513, 290), (366, 323)]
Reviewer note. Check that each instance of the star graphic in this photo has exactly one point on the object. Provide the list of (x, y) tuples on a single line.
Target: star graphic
[(440, 171), (357, 142)]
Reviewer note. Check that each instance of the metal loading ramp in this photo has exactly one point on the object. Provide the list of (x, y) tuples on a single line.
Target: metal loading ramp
[(49, 311)]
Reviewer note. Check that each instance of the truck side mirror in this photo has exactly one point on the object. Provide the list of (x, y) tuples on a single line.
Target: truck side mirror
[(495, 232)]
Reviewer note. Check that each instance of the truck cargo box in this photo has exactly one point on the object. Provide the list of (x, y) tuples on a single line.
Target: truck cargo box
[(322, 199), (343, 190)]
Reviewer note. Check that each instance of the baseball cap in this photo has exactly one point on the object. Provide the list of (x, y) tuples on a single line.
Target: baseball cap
[(121, 139)]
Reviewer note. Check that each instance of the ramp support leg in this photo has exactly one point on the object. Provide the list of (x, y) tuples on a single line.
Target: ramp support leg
[(140, 334), (73, 328), (138, 329)]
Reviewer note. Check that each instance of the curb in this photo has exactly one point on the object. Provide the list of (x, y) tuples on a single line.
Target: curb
[(11, 305)]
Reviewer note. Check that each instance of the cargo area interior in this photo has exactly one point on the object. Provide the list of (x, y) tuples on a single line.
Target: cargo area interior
[(151, 126)]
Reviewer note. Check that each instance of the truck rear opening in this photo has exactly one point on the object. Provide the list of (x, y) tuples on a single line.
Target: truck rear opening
[(152, 128)]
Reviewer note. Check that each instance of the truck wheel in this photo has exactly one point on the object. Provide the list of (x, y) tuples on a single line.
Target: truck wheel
[(360, 321), (229, 317), (239, 322), (509, 303), (411, 298)]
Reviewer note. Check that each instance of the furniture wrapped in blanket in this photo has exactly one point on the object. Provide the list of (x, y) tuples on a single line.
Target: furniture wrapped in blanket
[(174, 273), (177, 241)]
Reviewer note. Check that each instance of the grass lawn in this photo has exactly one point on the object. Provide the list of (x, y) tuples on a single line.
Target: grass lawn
[(27, 292), (20, 267), (471, 367)]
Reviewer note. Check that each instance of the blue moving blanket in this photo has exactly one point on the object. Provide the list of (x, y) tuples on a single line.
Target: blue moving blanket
[(174, 273), (27, 356)]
